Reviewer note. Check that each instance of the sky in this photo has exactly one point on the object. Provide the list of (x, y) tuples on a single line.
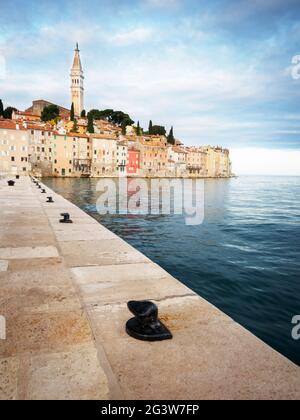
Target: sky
[(223, 72)]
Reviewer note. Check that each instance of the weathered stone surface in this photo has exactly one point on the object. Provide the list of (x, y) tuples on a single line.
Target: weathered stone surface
[(70, 234), (28, 252), (3, 265), (108, 284), (9, 378), (45, 332), (67, 376), (101, 252), (210, 356), (65, 305)]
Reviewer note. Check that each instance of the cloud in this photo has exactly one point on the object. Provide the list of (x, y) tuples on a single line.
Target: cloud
[(261, 161), (134, 36), (194, 69)]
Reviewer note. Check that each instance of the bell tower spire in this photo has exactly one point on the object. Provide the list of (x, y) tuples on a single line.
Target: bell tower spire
[(77, 90)]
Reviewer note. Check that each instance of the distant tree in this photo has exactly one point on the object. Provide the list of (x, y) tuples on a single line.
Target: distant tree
[(83, 113), (50, 113), (7, 113), (95, 114), (1, 108), (72, 113), (115, 117), (138, 129), (158, 129), (90, 126), (118, 117), (150, 127), (124, 125), (171, 138), (106, 114), (75, 127)]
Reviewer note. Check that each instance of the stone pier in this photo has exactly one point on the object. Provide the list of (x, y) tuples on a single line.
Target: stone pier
[(63, 293)]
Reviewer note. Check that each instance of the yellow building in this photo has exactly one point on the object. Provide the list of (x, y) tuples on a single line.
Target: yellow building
[(82, 154), (196, 162), (104, 155), (14, 146), (153, 155), (62, 156)]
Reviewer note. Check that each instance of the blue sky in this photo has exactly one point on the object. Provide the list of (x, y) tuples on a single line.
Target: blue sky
[(219, 71)]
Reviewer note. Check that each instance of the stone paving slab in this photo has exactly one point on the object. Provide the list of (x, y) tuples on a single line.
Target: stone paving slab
[(100, 252), (67, 376), (28, 252)]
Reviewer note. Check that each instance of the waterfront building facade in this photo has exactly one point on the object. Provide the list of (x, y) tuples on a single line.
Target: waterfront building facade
[(104, 155), (54, 149), (14, 148), (133, 163), (196, 161)]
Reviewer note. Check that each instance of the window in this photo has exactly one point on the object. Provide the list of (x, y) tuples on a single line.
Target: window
[(55, 161), (24, 169), (12, 158)]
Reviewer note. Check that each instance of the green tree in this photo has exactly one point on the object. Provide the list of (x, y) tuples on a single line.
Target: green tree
[(1, 108), (75, 127), (158, 130), (7, 113), (90, 126), (83, 113), (50, 113), (72, 113), (124, 125), (118, 117), (171, 138), (138, 129), (150, 127), (115, 117)]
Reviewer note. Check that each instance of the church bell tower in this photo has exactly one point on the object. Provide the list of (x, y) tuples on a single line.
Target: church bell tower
[(77, 90)]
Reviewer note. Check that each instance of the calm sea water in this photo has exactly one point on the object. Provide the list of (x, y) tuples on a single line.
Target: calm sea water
[(244, 258)]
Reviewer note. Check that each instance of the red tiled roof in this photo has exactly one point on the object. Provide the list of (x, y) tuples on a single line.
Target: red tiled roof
[(28, 114), (10, 125), (70, 134)]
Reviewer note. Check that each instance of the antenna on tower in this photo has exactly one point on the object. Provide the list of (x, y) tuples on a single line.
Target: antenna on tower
[(77, 49)]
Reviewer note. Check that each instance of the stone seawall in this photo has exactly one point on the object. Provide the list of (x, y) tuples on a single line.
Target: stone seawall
[(63, 292)]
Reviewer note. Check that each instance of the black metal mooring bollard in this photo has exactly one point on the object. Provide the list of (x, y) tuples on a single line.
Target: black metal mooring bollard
[(11, 183), (146, 325), (49, 200), (43, 191), (66, 218)]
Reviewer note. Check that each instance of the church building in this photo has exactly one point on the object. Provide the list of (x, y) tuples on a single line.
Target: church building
[(77, 90)]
